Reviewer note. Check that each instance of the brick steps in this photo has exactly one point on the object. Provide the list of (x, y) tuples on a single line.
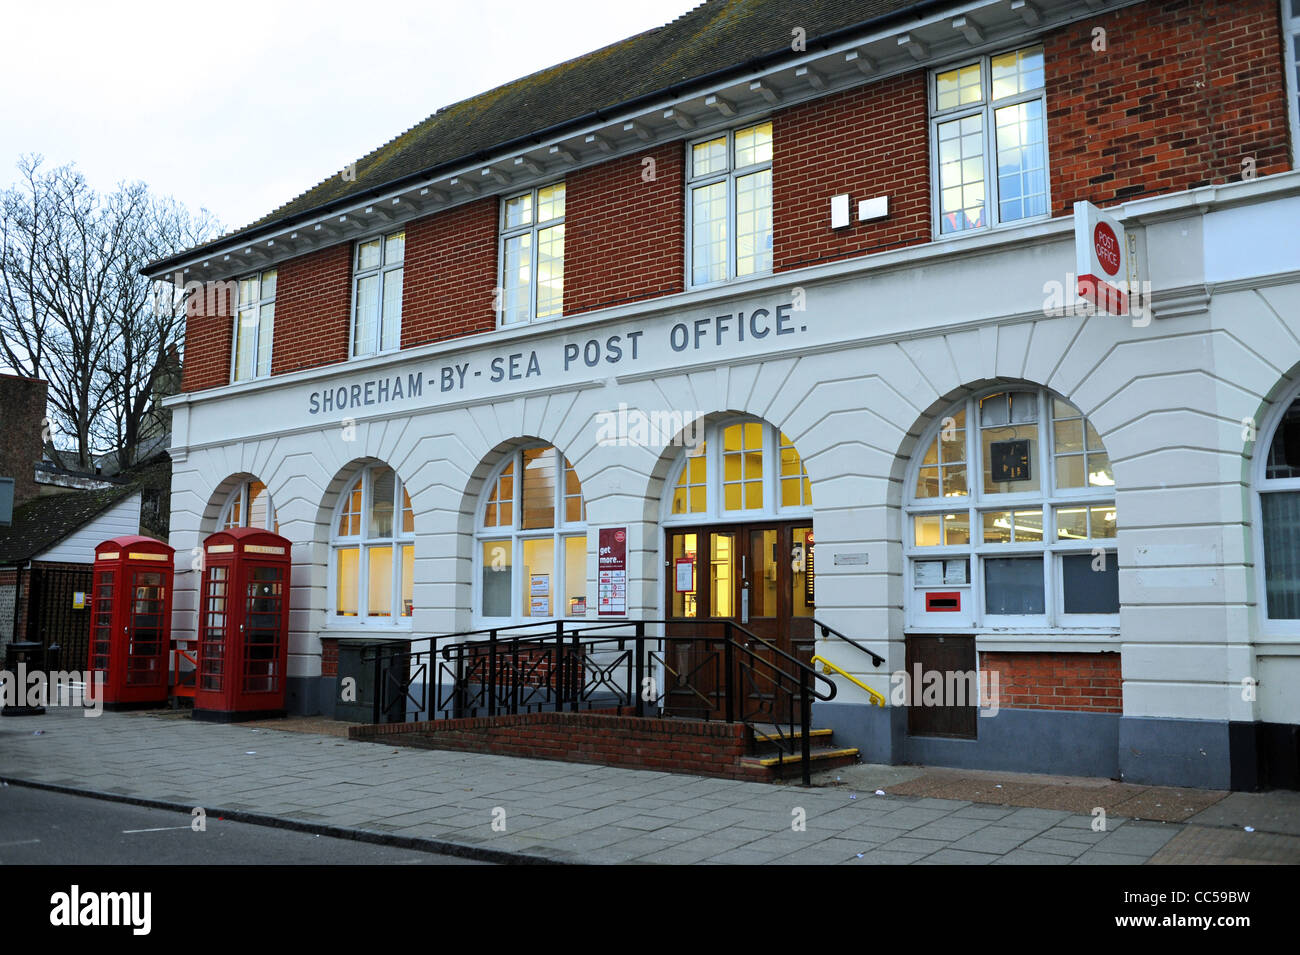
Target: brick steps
[(771, 756), (610, 738)]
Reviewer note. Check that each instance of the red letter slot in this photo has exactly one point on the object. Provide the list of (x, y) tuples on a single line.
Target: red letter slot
[(948, 601)]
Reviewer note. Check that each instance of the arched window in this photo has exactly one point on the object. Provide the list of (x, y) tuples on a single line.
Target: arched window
[(741, 468), (532, 539), (1010, 518), (372, 551), (249, 505), (1277, 480)]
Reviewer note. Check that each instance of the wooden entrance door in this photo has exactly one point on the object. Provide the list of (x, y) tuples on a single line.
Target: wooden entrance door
[(942, 693), (761, 578)]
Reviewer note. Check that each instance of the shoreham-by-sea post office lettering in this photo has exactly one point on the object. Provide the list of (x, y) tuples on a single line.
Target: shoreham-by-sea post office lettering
[(754, 323)]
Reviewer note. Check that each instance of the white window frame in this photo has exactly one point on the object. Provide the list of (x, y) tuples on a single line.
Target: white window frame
[(515, 534), (240, 496), (975, 503), (987, 107), (1261, 484), (397, 540), (365, 349), (714, 513), (536, 226), (255, 307), (1290, 42), (729, 175)]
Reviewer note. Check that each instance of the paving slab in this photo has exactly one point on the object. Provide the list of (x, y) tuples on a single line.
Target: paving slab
[(585, 813)]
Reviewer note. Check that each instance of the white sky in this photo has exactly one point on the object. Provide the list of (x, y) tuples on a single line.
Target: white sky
[(242, 105)]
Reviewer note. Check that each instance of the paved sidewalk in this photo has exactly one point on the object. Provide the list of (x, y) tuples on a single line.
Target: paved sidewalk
[(550, 811)]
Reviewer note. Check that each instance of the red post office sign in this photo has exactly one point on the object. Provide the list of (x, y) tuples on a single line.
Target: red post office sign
[(1102, 259)]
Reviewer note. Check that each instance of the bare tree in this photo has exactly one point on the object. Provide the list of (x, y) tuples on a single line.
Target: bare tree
[(75, 310)]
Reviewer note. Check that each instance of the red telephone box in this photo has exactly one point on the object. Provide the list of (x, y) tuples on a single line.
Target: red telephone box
[(243, 626), (131, 613)]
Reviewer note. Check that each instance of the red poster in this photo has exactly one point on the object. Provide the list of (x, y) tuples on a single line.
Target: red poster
[(611, 564)]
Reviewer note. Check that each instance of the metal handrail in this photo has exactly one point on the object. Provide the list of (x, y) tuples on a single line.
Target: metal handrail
[(876, 698), (801, 691), (827, 630), (549, 629)]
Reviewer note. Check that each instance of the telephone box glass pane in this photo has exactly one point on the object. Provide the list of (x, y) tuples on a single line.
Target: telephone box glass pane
[(212, 652), (262, 634), (102, 627), (145, 635)]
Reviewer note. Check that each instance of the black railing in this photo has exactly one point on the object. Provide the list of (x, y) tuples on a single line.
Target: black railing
[(829, 631), (718, 670)]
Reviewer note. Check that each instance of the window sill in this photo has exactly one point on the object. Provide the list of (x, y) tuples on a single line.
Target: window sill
[(1035, 639), (936, 238), (731, 280)]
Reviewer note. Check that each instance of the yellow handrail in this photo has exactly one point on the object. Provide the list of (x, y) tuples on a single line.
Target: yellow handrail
[(828, 667)]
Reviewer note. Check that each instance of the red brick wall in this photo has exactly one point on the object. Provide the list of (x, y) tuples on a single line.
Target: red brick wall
[(313, 310), (867, 142), (23, 401), (209, 337), (1089, 682), (624, 235), (1183, 92), (448, 289), (677, 746), (329, 657)]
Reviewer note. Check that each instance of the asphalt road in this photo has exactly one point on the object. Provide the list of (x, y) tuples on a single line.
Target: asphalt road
[(38, 827)]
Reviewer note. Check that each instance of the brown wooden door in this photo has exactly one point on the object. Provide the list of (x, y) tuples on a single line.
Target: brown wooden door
[(942, 698), (753, 576)]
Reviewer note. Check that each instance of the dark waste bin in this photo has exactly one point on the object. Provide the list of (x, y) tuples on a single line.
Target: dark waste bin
[(21, 659), (357, 662)]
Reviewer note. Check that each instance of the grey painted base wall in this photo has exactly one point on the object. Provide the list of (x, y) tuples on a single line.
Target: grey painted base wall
[(1170, 752), (1024, 741), (1203, 754)]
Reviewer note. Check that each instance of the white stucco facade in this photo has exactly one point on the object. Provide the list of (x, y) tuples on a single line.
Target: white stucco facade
[(882, 345)]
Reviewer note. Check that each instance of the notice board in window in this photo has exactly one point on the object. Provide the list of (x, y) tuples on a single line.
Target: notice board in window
[(611, 563)]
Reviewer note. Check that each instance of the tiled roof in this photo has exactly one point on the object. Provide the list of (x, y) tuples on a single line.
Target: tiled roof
[(714, 39), (42, 522)]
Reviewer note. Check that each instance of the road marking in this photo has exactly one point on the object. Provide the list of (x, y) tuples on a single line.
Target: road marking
[(127, 832), (21, 842)]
